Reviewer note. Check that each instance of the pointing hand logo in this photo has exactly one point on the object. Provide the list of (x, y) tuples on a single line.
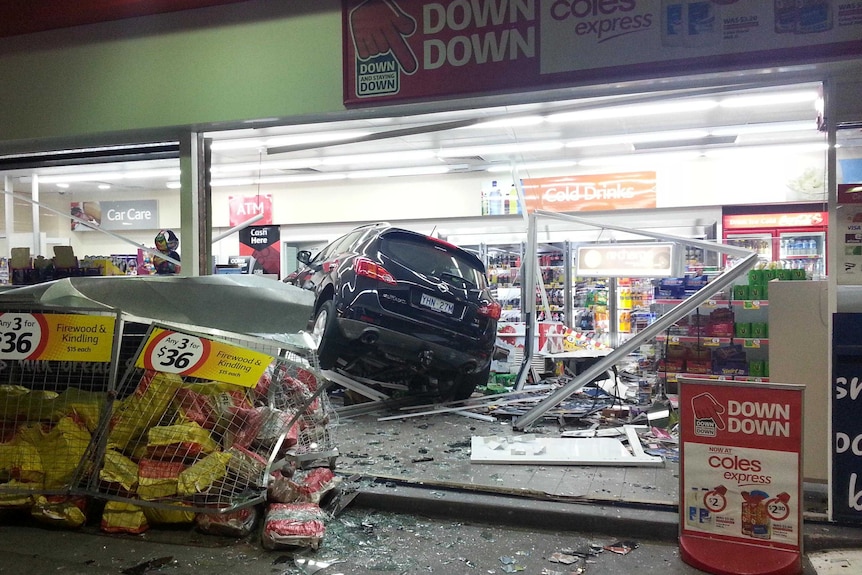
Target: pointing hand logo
[(380, 27), (705, 407)]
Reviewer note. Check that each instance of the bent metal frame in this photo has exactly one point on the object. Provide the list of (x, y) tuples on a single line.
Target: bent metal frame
[(747, 261)]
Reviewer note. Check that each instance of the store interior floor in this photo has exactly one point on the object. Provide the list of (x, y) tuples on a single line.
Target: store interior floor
[(395, 444)]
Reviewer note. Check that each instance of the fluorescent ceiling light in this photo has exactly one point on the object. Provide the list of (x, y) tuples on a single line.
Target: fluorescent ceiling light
[(765, 128), (548, 164), (641, 158), (769, 149), (104, 186), (668, 136), (293, 140), (63, 186), (173, 185), (101, 176), (315, 138), (509, 122), (634, 110), (380, 158), (394, 172), (261, 166), (285, 179), (294, 178), (500, 149), (772, 99), (229, 182)]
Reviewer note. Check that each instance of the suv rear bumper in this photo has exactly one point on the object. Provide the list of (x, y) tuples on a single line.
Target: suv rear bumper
[(428, 355)]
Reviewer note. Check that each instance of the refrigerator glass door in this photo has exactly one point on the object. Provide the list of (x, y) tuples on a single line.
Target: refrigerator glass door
[(803, 250), (760, 242)]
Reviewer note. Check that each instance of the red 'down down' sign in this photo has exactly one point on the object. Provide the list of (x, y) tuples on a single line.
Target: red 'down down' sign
[(740, 482)]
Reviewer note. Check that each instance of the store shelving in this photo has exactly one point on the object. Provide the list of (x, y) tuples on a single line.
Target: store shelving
[(700, 354)]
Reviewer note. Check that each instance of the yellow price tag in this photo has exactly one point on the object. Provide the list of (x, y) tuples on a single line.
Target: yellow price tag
[(56, 337), (188, 355)]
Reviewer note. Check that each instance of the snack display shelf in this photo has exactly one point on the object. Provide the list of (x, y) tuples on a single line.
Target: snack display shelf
[(744, 303), (707, 341), (673, 377)]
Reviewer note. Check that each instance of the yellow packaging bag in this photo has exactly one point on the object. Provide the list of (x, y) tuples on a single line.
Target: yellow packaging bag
[(182, 441), (60, 449), (14, 494), (200, 476), (87, 405), (121, 517), (158, 479), (143, 409), (119, 469), (11, 398), (159, 515), (20, 460), (62, 511), (21, 403)]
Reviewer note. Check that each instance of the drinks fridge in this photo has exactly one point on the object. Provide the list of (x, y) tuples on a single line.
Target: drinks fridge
[(793, 236)]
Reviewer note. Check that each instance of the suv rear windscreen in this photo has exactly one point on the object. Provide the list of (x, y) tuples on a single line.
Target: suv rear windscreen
[(432, 259)]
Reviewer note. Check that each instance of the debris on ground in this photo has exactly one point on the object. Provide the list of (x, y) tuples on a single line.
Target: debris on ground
[(622, 547), (147, 566)]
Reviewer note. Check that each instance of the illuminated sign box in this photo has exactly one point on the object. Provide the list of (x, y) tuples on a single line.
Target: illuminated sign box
[(625, 260)]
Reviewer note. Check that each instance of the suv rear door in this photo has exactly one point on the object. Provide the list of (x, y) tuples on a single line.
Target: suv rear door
[(447, 285)]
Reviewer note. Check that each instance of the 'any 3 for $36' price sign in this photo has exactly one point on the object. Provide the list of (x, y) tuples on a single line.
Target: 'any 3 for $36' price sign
[(187, 355), (173, 352), (21, 335)]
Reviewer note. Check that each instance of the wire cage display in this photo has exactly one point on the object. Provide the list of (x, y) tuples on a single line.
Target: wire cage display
[(57, 368), (198, 423)]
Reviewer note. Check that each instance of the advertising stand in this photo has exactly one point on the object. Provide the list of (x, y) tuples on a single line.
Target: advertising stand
[(740, 479), (57, 367)]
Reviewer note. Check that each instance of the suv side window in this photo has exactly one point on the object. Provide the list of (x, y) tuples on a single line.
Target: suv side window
[(347, 242), (339, 246), (327, 251)]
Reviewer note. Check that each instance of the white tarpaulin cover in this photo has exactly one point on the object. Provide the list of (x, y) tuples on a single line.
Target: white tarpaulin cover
[(244, 304)]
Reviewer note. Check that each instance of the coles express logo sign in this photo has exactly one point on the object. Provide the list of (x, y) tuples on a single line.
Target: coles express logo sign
[(602, 20)]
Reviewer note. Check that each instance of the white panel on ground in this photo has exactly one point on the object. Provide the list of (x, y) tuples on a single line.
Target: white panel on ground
[(833, 562), (529, 449)]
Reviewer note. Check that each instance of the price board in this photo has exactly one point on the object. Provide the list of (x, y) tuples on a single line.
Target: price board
[(185, 354), (56, 337), (740, 476)]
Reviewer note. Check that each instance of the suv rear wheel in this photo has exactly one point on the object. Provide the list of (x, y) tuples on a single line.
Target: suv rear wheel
[(464, 385), (323, 330)]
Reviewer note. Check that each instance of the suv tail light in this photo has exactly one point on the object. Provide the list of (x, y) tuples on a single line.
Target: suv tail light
[(367, 268), (492, 310)]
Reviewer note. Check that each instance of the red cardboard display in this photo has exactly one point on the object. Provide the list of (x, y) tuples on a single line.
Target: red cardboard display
[(740, 480)]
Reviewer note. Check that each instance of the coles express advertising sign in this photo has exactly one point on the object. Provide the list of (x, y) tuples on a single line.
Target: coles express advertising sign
[(741, 461), (418, 49)]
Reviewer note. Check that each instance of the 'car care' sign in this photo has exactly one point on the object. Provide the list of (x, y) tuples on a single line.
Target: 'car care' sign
[(740, 482)]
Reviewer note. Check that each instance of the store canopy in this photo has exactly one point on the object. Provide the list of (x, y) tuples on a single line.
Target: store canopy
[(241, 304)]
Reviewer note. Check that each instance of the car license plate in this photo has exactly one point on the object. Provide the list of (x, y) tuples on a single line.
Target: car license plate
[(437, 304)]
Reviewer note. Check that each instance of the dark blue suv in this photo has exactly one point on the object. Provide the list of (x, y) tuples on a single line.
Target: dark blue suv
[(408, 310)]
